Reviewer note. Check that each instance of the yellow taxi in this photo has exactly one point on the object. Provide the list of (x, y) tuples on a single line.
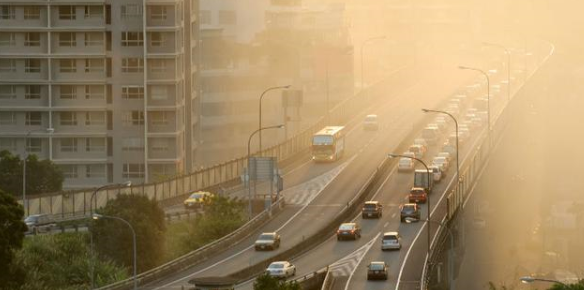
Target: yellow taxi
[(196, 199)]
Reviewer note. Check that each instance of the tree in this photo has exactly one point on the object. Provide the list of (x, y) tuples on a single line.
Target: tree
[(63, 261), (267, 282), (42, 175), (576, 286), (12, 228), (114, 239)]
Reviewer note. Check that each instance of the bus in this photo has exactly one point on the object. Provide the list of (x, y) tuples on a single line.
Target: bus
[(328, 144)]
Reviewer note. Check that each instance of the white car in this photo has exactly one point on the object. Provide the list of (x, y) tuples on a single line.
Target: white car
[(436, 173), (441, 162), (446, 155), (281, 269), (391, 241), (421, 141), (405, 164), (370, 123), (409, 154)]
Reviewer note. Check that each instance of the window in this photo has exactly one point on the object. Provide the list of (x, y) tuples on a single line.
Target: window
[(205, 17), (7, 65), (94, 65), (7, 39), (34, 144), (8, 144), (67, 39), (158, 66), (32, 39), (68, 145), (131, 11), (32, 65), (159, 145), (159, 93), (7, 92), (33, 119), (133, 92), (93, 39), (68, 65), (159, 118), (95, 144), (227, 17), (68, 118), (132, 38), (94, 118), (67, 12), (95, 171), (94, 92), (133, 170), (7, 12), (158, 12), (134, 118), (133, 144), (69, 171), (32, 92), (68, 92), (157, 39), (93, 11), (32, 12), (7, 118), (132, 64)]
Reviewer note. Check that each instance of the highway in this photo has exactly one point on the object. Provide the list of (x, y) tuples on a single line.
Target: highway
[(365, 150)]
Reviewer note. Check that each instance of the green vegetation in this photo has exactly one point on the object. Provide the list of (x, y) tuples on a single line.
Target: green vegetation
[(555, 286), (267, 282), (113, 239), (44, 175), (12, 230), (63, 261)]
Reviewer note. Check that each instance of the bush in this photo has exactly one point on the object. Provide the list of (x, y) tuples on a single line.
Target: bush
[(12, 230)]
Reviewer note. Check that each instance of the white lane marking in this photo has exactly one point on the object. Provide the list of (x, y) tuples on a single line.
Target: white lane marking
[(369, 245), (387, 223), (393, 215), (346, 265)]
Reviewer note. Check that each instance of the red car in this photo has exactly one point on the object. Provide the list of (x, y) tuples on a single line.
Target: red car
[(417, 195)]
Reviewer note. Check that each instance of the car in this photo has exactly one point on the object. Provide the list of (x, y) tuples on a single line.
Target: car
[(452, 139), (411, 210), (449, 147), (431, 134), (417, 195), (196, 199), (348, 230), (377, 270), (281, 269), (267, 241), (372, 208), (445, 155), (421, 141), (405, 164), (370, 123), (391, 241), (436, 173), (441, 162), (409, 154), (38, 223), (418, 150)]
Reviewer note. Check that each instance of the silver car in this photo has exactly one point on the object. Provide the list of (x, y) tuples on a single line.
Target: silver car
[(38, 223), (281, 269), (391, 241)]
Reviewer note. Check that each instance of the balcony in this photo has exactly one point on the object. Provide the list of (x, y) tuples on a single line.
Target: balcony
[(78, 43), (77, 16), (163, 16), (31, 17), (79, 70), (163, 42), (26, 70), (162, 148)]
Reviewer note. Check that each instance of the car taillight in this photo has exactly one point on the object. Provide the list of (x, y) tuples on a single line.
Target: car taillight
[(352, 231)]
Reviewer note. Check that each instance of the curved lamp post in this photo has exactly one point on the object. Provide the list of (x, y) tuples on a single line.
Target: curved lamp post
[(455, 123), (508, 52), (488, 96), (48, 131), (368, 40), (261, 98), (248, 163), (529, 279)]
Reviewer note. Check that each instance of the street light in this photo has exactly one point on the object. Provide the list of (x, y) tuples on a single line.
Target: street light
[(455, 123), (48, 131), (92, 268), (488, 96), (508, 52), (248, 162), (98, 216), (362, 45), (261, 98), (529, 279), (428, 184), (451, 252)]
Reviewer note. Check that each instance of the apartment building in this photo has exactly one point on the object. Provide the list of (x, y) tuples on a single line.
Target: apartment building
[(114, 79)]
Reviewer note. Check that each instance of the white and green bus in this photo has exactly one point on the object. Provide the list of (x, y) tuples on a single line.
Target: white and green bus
[(328, 144)]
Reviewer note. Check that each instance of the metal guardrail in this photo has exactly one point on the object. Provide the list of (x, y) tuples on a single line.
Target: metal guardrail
[(329, 279), (77, 202), (313, 280), (202, 254)]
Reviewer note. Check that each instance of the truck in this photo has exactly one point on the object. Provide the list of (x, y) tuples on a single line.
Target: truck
[(421, 179)]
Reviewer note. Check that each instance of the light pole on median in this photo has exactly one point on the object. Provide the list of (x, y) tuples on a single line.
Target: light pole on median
[(260, 113), (529, 279), (508, 52), (368, 40), (456, 124), (92, 267), (98, 216), (488, 97), (248, 164), (24, 203), (428, 184)]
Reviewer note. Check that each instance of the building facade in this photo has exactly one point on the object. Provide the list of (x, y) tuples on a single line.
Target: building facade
[(114, 79)]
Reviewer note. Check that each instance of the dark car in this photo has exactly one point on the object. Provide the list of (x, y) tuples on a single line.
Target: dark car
[(418, 195), (372, 209), (411, 210), (39, 223), (349, 231), (377, 270), (267, 241)]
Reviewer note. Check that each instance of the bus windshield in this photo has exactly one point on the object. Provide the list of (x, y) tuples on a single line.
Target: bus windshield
[(322, 140)]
